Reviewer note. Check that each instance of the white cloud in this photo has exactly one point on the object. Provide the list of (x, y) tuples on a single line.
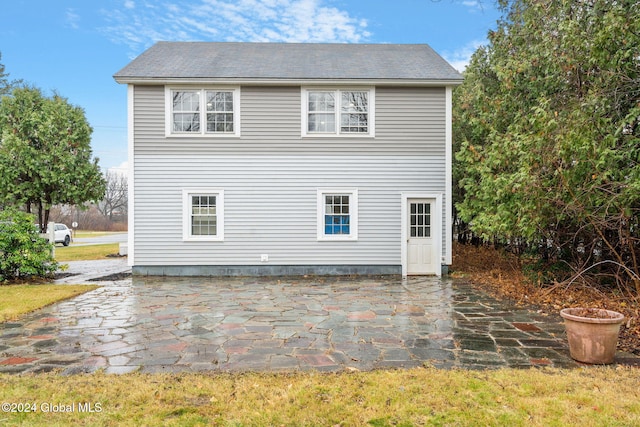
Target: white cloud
[(145, 22), (72, 18), (460, 58), (121, 169), (473, 5)]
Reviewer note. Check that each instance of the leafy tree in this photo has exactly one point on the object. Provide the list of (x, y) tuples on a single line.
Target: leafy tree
[(548, 127), (45, 153), (23, 253), (6, 85)]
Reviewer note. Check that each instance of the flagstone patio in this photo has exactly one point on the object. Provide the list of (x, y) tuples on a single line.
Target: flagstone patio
[(282, 324)]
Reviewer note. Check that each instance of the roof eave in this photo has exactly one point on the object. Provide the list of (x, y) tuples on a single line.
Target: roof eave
[(284, 81)]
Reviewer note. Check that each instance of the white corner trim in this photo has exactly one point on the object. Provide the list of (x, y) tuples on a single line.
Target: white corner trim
[(448, 203), (131, 253)]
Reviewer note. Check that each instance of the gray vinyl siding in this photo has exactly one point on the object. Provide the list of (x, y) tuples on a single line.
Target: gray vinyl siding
[(270, 176)]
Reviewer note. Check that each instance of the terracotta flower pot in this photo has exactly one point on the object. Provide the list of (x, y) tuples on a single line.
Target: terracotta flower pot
[(592, 333)]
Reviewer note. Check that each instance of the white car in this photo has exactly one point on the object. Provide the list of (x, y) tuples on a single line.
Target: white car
[(63, 234)]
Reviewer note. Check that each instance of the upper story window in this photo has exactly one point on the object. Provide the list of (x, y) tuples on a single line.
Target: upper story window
[(354, 112), (208, 112), (338, 112)]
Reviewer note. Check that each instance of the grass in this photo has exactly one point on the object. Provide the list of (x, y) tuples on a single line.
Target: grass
[(89, 252), (17, 300), (85, 234), (580, 397), (598, 396)]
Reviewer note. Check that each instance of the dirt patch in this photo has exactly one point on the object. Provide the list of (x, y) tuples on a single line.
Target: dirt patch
[(63, 275), (112, 277), (500, 274)]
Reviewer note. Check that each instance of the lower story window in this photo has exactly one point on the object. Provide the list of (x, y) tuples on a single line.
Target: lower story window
[(337, 214), (203, 214)]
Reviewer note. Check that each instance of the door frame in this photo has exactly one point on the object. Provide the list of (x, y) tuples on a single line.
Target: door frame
[(436, 228)]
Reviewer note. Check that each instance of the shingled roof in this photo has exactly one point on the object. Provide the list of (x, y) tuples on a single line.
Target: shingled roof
[(202, 61)]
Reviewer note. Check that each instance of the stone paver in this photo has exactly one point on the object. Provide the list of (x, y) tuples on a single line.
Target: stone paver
[(282, 324)]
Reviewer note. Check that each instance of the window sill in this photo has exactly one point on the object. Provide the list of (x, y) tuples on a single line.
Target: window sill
[(331, 135), (202, 239), (337, 239), (203, 136)]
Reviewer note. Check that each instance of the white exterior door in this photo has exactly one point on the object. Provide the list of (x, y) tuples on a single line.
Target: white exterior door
[(421, 251)]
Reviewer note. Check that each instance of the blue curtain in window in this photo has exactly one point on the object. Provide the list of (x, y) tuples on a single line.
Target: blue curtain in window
[(336, 224)]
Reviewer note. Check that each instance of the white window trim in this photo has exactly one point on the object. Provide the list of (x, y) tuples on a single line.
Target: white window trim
[(168, 112), (304, 96), (353, 212), (186, 214)]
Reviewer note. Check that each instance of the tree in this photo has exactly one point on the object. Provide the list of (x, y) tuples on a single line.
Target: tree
[(6, 85), (548, 127), (23, 252), (45, 153), (115, 199)]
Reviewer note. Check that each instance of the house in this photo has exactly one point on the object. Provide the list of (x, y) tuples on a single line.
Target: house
[(277, 159)]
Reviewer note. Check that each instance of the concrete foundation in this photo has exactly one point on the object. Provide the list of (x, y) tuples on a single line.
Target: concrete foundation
[(265, 270)]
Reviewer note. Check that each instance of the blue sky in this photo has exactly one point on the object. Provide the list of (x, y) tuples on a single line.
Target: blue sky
[(75, 46)]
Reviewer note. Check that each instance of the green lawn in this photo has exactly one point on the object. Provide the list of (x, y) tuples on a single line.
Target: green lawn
[(415, 397), (16, 300), (89, 252), (86, 234)]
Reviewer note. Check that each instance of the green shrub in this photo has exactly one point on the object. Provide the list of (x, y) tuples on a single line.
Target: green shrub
[(23, 253), (543, 272)]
